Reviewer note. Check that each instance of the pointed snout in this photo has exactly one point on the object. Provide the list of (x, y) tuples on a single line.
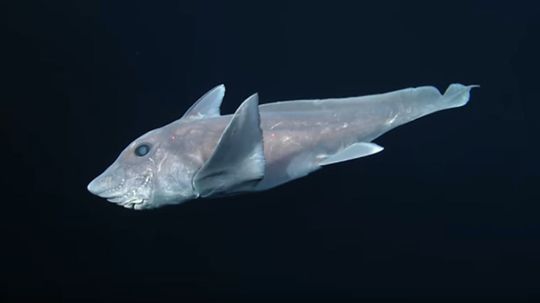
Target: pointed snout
[(109, 184), (97, 186), (105, 185)]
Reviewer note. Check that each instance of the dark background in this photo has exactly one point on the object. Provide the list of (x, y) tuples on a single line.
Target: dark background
[(449, 211)]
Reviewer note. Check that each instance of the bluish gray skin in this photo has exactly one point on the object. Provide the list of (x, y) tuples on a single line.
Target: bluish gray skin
[(205, 154)]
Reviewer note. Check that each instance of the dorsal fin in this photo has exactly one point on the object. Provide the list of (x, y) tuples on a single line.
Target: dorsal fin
[(208, 105), (237, 163)]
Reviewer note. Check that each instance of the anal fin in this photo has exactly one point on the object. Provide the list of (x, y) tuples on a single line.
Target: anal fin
[(353, 151)]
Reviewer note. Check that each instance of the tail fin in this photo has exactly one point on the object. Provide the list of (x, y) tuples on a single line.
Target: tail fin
[(413, 103), (456, 95)]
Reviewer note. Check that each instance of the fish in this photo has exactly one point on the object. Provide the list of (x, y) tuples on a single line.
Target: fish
[(205, 154)]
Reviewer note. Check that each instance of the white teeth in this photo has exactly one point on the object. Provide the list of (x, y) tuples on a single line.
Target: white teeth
[(136, 204), (122, 200), (135, 201), (128, 196)]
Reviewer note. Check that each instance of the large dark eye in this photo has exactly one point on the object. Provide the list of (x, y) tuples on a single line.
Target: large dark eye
[(142, 150)]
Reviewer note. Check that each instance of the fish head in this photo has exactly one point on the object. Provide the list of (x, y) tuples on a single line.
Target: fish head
[(142, 175)]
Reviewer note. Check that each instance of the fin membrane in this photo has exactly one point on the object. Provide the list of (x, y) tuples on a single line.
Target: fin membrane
[(208, 105), (238, 162), (356, 150)]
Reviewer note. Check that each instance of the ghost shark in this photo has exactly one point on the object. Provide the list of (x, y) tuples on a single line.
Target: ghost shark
[(206, 154)]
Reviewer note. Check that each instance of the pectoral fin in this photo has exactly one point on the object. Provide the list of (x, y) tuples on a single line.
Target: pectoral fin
[(238, 161), (208, 105), (356, 150)]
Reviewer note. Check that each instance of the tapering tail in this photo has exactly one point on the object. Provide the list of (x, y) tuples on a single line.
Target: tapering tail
[(456, 95)]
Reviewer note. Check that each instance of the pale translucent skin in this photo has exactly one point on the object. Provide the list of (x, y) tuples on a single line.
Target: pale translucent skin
[(297, 137)]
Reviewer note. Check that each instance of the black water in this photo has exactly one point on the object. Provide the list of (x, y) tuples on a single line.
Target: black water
[(449, 211)]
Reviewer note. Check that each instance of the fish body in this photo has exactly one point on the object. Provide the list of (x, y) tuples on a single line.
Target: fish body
[(206, 154)]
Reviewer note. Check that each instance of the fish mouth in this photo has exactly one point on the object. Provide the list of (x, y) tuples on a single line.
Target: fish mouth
[(135, 193), (128, 202), (109, 192)]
